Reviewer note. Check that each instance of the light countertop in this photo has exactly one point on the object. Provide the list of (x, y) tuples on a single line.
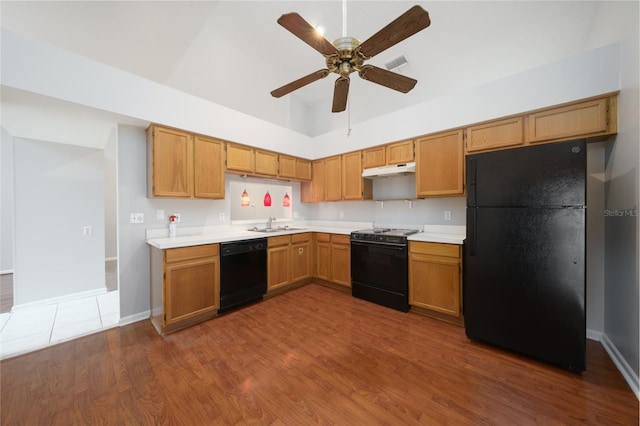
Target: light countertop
[(219, 234)]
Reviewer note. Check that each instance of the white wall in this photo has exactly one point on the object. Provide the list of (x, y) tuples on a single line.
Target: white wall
[(6, 202), (110, 197), (620, 21), (58, 191)]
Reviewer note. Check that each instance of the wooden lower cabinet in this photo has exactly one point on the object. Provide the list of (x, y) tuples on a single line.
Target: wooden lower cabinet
[(333, 258), (435, 277), (341, 259), (323, 256), (301, 259), (278, 256), (185, 286), (288, 260)]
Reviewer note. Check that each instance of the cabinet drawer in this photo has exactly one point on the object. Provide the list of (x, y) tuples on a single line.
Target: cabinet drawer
[(297, 238), (323, 237), (192, 252), (340, 239), (280, 240), (435, 249)]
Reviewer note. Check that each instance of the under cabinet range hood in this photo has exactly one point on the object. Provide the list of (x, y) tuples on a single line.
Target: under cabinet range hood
[(386, 171)]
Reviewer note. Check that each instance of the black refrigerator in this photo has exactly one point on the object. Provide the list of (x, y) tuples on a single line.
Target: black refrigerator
[(524, 253)]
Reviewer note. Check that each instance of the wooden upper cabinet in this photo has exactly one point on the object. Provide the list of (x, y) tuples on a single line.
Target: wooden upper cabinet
[(496, 134), (440, 165), (240, 158), (266, 163), (400, 152), (294, 168), (354, 186), (303, 169), (333, 178), (582, 119), (170, 154), (393, 153), (374, 157), (287, 166), (313, 191), (208, 167)]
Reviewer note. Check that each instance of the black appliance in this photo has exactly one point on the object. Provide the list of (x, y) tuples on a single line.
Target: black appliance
[(380, 268), (243, 272), (524, 255)]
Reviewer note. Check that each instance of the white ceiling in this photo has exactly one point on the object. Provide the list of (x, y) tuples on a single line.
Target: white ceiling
[(234, 53)]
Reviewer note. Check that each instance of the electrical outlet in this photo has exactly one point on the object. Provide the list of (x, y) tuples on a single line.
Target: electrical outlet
[(296, 215), (160, 214), (86, 230), (177, 215), (221, 216), (137, 217), (341, 214), (447, 215)]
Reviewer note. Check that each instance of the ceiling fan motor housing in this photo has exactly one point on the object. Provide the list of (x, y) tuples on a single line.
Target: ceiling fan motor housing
[(346, 61)]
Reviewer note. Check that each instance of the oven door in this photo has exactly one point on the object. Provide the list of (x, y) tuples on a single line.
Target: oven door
[(380, 265)]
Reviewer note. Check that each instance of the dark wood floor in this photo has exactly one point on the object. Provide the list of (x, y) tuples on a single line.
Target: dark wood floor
[(313, 355)]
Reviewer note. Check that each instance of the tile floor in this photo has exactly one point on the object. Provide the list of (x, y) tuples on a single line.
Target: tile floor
[(28, 329)]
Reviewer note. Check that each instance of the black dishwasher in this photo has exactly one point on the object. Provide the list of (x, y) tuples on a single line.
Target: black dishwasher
[(243, 272)]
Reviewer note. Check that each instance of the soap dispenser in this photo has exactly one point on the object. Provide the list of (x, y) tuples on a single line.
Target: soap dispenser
[(173, 226)]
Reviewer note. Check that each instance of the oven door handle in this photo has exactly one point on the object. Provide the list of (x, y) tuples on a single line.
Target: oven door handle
[(392, 246)]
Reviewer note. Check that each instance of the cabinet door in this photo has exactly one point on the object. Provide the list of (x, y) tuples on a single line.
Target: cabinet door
[(278, 266), (317, 181), (170, 157), (333, 178), (208, 167), (434, 283), (581, 119), (303, 169), (300, 260), (495, 135), (400, 152), (341, 264), (287, 167), (240, 158), (323, 257), (353, 185), (375, 157), (440, 165), (266, 163), (191, 288)]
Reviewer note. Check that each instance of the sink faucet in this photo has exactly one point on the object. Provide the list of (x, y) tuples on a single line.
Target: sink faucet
[(269, 220)]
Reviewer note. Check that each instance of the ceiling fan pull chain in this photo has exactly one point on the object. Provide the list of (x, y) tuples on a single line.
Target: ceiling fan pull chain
[(348, 117)]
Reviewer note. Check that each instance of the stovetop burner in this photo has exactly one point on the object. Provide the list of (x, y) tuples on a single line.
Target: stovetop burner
[(388, 231), (383, 235)]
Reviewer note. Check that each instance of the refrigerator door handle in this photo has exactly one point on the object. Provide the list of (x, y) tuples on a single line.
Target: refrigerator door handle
[(471, 231)]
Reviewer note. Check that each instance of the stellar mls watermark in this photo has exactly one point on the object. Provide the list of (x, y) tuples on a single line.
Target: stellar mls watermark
[(621, 213)]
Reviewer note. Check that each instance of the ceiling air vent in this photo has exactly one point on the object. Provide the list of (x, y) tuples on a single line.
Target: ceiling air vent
[(395, 63)]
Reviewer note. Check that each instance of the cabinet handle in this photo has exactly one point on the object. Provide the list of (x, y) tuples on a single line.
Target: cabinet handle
[(300, 251)]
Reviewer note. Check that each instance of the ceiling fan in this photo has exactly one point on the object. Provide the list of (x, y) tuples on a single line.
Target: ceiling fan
[(347, 54)]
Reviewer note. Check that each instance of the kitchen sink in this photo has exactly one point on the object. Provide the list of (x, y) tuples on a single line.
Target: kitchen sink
[(278, 229)]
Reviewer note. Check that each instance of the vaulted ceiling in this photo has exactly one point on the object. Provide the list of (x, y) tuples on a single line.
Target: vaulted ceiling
[(233, 53)]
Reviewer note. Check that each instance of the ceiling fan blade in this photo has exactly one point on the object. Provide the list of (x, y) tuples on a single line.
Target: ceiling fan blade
[(295, 85), (340, 94), (305, 32), (388, 79), (406, 25)]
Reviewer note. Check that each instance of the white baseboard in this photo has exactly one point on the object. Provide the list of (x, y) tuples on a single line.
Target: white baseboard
[(625, 369), (594, 335), (135, 318), (59, 299)]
